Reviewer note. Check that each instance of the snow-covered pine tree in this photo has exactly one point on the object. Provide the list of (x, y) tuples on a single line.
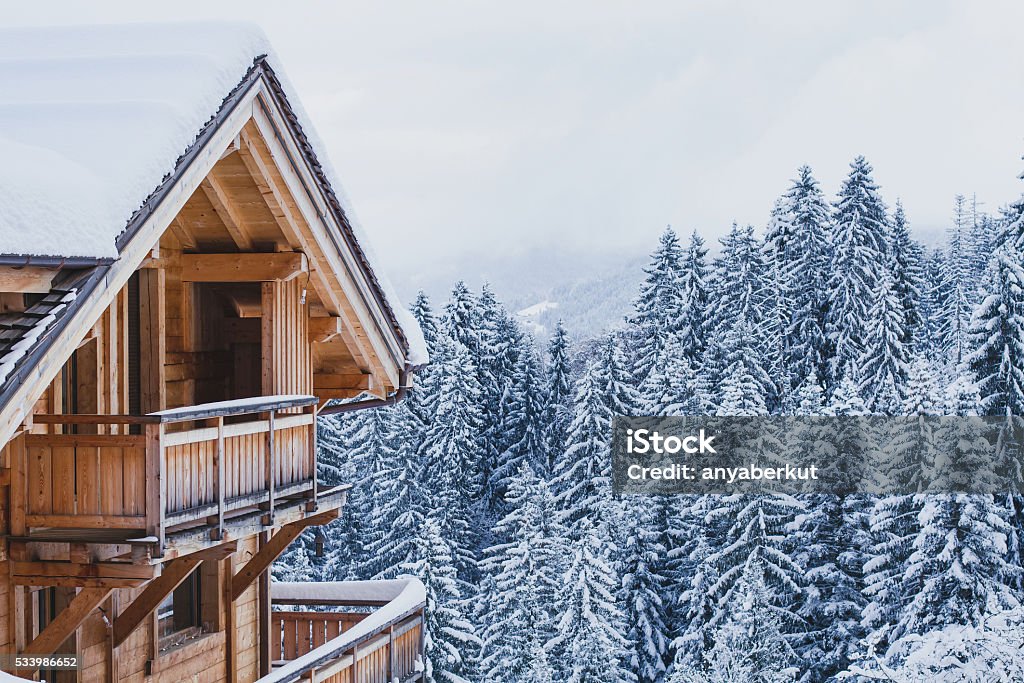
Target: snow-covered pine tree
[(452, 453), (956, 572), (746, 386), (582, 478), (460, 319), (997, 336), (907, 264), (911, 443), (524, 575), (449, 638), (558, 384), (883, 364), (642, 565), (801, 253), (696, 297), (424, 314), (403, 499), (958, 287), (615, 382), (749, 643), (659, 306), (860, 237), (589, 643), (523, 425), (355, 449), (832, 541)]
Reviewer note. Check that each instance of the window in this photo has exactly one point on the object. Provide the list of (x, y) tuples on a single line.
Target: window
[(179, 616)]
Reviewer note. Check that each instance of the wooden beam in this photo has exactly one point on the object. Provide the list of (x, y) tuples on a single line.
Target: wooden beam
[(329, 394), (61, 628), (185, 238), (249, 267), (215, 191), (325, 329), (272, 549), (26, 279), (68, 570), (272, 194), (352, 381), (174, 572)]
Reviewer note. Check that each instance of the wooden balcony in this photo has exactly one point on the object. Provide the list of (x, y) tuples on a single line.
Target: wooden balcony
[(347, 643), (169, 481)]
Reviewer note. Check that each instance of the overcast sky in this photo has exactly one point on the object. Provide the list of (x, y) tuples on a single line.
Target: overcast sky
[(467, 126)]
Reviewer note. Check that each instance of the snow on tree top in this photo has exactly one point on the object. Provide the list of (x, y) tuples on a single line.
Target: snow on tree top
[(93, 118)]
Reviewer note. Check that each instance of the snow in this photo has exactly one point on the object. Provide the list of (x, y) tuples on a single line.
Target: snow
[(253, 402), (405, 594), (93, 118), (530, 314), (8, 678), (18, 351), (358, 591)]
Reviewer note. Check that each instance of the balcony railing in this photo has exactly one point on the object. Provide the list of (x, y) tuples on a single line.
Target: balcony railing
[(342, 645), (176, 469)]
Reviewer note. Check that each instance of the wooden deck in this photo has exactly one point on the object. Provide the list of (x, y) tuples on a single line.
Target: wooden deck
[(169, 475), (344, 645)]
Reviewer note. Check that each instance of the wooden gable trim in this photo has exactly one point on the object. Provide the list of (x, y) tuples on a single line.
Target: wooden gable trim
[(366, 320)]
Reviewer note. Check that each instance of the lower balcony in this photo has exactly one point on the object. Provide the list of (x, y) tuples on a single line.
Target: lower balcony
[(347, 632)]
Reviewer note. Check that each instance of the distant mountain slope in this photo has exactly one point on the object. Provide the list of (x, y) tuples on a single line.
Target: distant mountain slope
[(591, 290)]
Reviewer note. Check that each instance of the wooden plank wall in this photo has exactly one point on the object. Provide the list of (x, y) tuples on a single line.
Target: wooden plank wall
[(287, 362)]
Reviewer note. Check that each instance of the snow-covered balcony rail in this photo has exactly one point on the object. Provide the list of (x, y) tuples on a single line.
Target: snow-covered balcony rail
[(174, 475), (342, 645)]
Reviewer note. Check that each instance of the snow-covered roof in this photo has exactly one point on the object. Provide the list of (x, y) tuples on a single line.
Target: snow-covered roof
[(92, 119)]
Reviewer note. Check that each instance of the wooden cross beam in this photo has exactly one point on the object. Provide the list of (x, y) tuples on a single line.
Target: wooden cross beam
[(224, 207), (61, 628), (273, 548), (174, 572)]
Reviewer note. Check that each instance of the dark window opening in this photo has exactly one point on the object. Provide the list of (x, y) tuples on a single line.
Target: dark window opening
[(179, 616)]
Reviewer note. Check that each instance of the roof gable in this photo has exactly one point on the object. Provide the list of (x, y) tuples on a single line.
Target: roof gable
[(117, 230)]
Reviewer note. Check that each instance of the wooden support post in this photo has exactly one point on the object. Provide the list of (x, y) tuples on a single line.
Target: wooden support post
[(219, 474), (265, 613), (391, 652), (313, 452), (271, 469), (155, 494), (19, 485), (230, 619), (174, 572), (61, 628), (272, 549)]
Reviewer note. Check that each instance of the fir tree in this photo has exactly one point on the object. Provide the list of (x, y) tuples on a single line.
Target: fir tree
[(859, 255), (907, 265), (883, 364), (449, 637), (696, 300), (642, 565), (589, 637), (525, 576), (659, 305)]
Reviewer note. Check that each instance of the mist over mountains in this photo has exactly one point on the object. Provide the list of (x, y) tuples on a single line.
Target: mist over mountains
[(591, 288)]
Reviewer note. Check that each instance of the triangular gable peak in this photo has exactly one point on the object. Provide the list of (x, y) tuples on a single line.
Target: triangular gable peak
[(247, 204)]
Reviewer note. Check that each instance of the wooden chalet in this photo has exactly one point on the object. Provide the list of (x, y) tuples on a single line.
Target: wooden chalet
[(182, 290)]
